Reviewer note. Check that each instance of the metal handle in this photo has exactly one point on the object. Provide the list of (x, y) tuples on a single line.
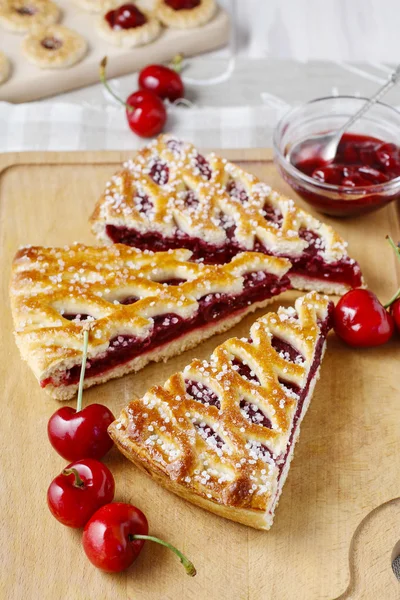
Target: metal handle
[(393, 79)]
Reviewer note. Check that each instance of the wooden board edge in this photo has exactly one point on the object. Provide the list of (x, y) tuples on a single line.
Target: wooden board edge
[(115, 156), (389, 512)]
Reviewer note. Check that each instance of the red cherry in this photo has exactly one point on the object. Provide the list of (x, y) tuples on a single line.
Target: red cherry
[(83, 434), (163, 81), (108, 536), (114, 537), (395, 311), (394, 302), (331, 174), (388, 155), (145, 111), (148, 116), (80, 489), (361, 320)]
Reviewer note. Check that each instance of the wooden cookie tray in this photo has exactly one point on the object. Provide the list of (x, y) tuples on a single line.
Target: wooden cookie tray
[(27, 82)]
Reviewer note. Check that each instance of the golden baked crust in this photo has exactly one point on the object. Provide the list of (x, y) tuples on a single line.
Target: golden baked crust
[(129, 38), (54, 47), (186, 18), (94, 6), (214, 210), (21, 16), (48, 283), (217, 451)]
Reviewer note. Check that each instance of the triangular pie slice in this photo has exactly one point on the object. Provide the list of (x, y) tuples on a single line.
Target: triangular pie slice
[(140, 306), (171, 196), (221, 433)]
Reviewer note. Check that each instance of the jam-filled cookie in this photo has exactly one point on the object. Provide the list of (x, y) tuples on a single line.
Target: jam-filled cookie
[(21, 16), (185, 14), (126, 25), (4, 68), (54, 47)]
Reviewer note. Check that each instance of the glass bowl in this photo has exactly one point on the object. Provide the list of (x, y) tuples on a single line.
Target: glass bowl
[(327, 114)]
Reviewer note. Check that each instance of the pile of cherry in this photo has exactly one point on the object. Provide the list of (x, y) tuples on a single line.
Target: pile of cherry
[(145, 110), (361, 320), (82, 494)]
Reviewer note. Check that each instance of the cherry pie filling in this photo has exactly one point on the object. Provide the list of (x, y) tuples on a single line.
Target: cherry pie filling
[(258, 286), (310, 264), (252, 412), (360, 161), (126, 16)]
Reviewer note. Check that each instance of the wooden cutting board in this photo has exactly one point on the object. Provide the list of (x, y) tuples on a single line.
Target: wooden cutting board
[(345, 466), (27, 82)]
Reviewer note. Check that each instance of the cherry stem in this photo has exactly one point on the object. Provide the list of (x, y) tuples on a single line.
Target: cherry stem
[(71, 471), (83, 369), (103, 79), (176, 63), (189, 566), (397, 250)]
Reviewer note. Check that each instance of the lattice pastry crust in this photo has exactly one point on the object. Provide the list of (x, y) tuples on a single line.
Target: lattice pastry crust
[(50, 286), (170, 190), (222, 437), (186, 18)]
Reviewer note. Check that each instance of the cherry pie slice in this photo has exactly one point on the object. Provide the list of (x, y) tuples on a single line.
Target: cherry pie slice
[(221, 433), (171, 196), (139, 306)]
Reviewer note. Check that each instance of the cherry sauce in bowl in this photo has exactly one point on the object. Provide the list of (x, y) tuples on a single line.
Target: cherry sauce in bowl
[(365, 173)]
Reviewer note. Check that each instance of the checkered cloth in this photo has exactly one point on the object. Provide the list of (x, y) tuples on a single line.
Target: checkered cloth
[(61, 126), (91, 119)]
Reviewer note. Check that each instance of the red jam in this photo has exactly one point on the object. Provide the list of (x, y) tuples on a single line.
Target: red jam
[(361, 162), (26, 10), (182, 4), (310, 264), (201, 393), (51, 43), (126, 16), (258, 286)]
